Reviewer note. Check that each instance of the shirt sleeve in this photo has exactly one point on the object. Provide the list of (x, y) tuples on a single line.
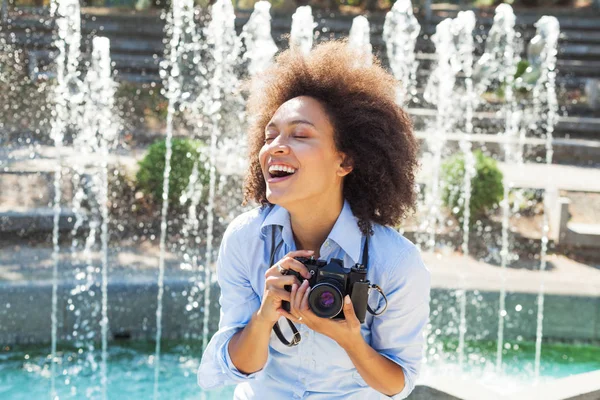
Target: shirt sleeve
[(398, 333), (238, 302)]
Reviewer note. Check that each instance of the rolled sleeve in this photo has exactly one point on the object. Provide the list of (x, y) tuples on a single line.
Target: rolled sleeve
[(398, 333), (238, 302)]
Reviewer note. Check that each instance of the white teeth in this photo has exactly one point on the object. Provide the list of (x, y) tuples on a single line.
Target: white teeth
[(283, 168)]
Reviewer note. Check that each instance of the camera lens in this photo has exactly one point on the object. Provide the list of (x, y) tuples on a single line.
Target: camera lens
[(325, 300)]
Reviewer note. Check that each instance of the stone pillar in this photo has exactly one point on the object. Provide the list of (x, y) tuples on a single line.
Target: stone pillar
[(562, 209), (592, 91)]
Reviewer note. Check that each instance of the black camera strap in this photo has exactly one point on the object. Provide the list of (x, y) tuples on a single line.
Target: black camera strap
[(296, 339)]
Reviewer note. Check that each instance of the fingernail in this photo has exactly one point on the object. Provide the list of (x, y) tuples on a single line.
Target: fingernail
[(294, 286), (310, 251), (305, 283), (347, 299)]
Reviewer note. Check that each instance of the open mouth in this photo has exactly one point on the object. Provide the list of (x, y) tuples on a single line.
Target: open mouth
[(280, 172)]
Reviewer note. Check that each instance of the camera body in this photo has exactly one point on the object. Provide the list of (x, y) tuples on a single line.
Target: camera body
[(330, 282)]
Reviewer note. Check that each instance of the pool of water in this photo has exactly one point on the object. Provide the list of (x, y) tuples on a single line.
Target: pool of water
[(25, 370)]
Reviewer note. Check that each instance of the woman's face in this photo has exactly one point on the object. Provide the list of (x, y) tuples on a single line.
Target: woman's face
[(299, 161)]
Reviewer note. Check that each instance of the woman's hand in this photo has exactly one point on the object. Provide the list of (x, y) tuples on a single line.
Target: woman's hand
[(345, 332), (270, 308)]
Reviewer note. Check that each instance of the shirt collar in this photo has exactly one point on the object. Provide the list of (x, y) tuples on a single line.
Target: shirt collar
[(278, 215), (345, 232)]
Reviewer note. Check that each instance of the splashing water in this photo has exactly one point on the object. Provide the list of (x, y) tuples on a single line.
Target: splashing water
[(256, 34), (499, 63), (68, 41), (103, 88), (501, 37), (173, 93), (226, 116), (302, 32), (462, 34), (360, 39), (439, 91), (400, 32), (545, 101)]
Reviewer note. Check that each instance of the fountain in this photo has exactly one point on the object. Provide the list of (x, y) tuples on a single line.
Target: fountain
[(301, 34), (359, 38), (67, 61), (544, 44), (260, 46), (400, 33), (439, 91), (204, 63)]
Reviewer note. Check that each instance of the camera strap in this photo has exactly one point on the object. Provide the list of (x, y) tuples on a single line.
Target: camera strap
[(365, 260), (297, 338)]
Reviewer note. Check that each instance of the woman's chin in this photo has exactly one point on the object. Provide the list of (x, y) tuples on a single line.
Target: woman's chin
[(279, 199)]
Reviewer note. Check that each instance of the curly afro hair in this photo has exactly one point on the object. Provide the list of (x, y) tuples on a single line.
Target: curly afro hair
[(369, 127)]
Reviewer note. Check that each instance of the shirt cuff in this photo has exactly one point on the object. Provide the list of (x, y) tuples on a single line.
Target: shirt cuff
[(228, 364), (216, 368), (408, 382), (408, 388)]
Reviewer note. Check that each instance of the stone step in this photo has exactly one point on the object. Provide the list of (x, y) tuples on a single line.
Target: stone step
[(35, 221), (586, 229), (24, 190), (568, 126)]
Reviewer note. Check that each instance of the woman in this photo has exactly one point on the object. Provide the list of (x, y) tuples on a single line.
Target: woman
[(332, 161)]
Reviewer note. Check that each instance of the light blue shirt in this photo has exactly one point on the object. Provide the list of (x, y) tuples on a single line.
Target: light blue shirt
[(318, 368)]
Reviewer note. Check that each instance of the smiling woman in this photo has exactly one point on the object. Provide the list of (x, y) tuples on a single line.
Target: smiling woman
[(332, 164), (359, 104)]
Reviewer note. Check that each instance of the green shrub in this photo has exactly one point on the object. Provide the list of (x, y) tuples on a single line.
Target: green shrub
[(486, 186), (185, 152)]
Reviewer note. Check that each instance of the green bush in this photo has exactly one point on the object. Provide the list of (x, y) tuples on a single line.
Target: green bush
[(486, 186), (185, 152)]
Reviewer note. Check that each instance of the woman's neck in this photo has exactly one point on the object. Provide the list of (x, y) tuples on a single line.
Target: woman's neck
[(311, 225)]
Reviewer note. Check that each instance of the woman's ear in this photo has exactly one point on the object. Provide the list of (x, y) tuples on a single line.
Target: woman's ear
[(346, 165)]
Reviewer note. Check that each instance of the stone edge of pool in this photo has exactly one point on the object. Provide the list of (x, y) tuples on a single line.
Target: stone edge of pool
[(584, 386), (25, 313)]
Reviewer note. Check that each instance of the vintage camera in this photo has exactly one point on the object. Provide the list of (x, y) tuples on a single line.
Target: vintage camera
[(330, 283)]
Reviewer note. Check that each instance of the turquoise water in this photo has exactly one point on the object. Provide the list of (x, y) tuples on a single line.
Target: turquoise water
[(25, 371)]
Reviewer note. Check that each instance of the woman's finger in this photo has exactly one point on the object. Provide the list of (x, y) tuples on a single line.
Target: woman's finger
[(299, 295), (281, 281), (349, 313), (277, 293), (290, 263), (300, 253), (289, 316), (304, 301), (293, 294)]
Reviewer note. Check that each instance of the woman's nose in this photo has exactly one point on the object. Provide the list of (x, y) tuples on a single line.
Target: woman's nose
[(279, 147)]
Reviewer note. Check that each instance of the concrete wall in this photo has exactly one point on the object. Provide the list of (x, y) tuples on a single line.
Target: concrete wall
[(26, 309)]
